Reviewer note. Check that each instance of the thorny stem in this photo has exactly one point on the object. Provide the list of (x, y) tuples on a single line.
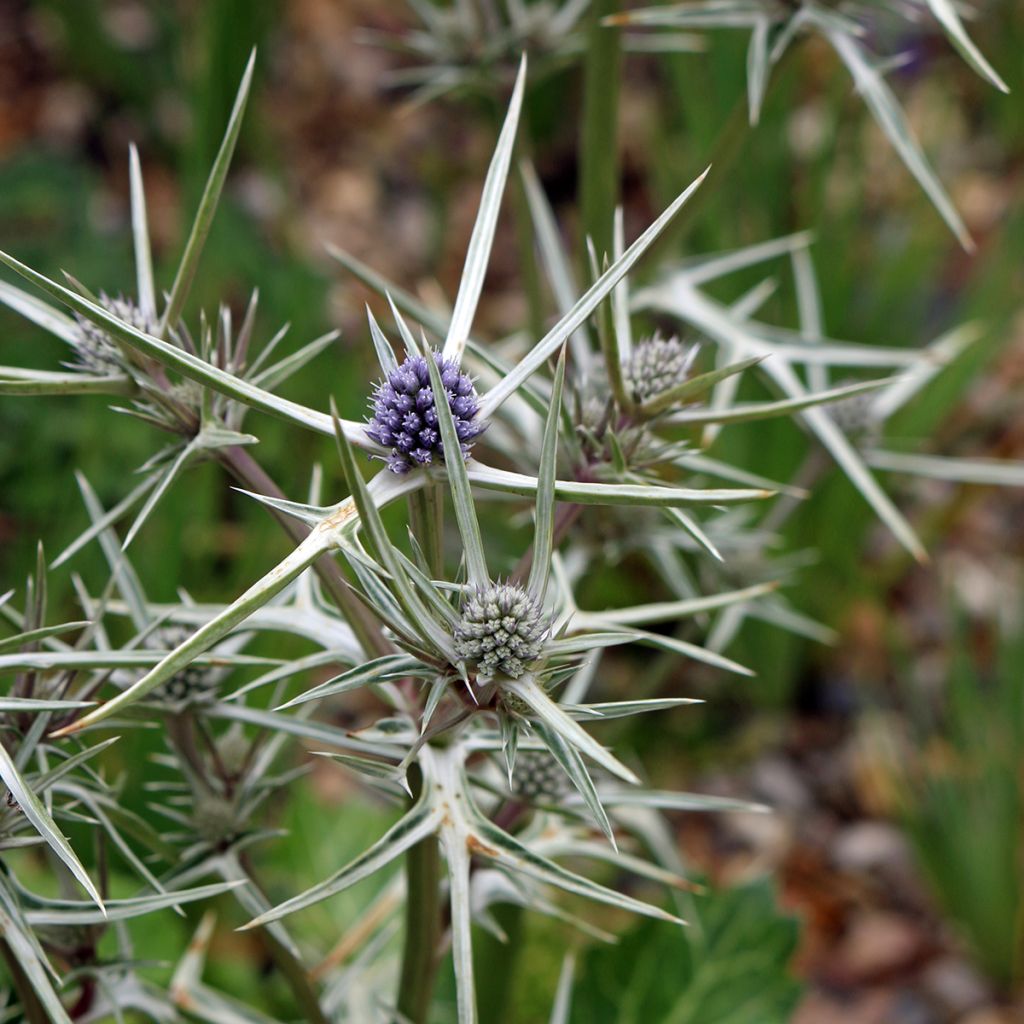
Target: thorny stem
[(422, 921), (31, 1007), (244, 468), (292, 970)]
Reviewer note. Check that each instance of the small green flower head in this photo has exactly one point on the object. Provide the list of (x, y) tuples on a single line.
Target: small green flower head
[(538, 776), (214, 818), (656, 365), (194, 684), (502, 630), (96, 350), (854, 416)]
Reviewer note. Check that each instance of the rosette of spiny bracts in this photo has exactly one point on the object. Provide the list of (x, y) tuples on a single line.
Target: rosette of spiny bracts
[(204, 423), (500, 845), (474, 48), (55, 937), (642, 408), (776, 25)]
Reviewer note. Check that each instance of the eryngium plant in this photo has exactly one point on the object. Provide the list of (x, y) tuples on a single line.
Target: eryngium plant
[(480, 723)]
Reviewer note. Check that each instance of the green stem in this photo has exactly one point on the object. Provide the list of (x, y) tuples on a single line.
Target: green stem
[(599, 150), (426, 516), (422, 921), (291, 969), (496, 962), (31, 1007)]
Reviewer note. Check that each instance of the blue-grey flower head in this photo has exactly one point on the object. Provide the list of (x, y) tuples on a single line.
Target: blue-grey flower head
[(538, 776), (502, 630), (404, 418), (656, 365), (96, 350), (854, 416)]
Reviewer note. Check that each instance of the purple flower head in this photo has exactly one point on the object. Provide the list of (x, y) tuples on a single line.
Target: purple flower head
[(404, 418)]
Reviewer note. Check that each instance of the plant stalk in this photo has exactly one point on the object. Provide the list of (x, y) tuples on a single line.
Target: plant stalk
[(422, 921), (292, 970), (31, 1007)]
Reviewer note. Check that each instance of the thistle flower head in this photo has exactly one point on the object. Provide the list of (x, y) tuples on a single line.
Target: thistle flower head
[(404, 418), (502, 630), (538, 776), (656, 365), (96, 350), (194, 684), (855, 415), (214, 817)]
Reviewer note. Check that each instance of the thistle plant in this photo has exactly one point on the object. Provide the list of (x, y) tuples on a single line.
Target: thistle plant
[(474, 670), (774, 28)]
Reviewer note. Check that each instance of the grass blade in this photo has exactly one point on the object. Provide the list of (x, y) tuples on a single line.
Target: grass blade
[(544, 524), (207, 206), (480, 242)]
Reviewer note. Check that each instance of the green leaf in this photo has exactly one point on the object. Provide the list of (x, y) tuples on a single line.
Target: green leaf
[(879, 99), (69, 913), (34, 635), (140, 236), (16, 381), (420, 822), (690, 389), (550, 714), (369, 517), (592, 493), (391, 666), (734, 968), (945, 14)]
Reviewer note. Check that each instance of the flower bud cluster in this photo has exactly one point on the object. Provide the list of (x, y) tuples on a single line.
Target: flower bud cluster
[(95, 348), (404, 417), (502, 630), (656, 365)]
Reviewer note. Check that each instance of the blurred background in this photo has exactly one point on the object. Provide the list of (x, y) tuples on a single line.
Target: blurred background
[(895, 755)]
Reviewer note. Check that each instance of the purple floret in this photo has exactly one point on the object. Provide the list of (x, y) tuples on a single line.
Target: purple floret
[(404, 418)]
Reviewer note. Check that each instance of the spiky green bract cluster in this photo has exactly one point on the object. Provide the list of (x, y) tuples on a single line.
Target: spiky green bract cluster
[(502, 629), (656, 365), (538, 776), (95, 349)]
